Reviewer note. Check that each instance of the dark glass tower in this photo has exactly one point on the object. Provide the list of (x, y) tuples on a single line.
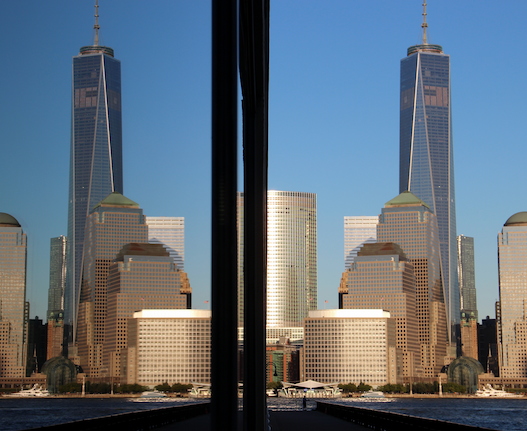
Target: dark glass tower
[(426, 158), (96, 151)]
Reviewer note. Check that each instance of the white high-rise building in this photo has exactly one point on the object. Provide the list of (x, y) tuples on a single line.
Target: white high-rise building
[(512, 319), (291, 258), (169, 231), (358, 230)]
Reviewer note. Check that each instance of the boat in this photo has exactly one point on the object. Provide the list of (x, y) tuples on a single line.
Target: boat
[(35, 391), (153, 394), (372, 394), (489, 392)]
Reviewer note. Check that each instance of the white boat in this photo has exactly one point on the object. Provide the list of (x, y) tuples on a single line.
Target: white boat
[(372, 394), (153, 394), (489, 392), (35, 391)]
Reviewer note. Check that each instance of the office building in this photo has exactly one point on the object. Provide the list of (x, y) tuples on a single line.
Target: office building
[(142, 276), (466, 276), (291, 260), (170, 346), (357, 231), (96, 152), (382, 277), (169, 231), (409, 222), (114, 222), (426, 151), (351, 346), (57, 275), (14, 313), (469, 336), (512, 320)]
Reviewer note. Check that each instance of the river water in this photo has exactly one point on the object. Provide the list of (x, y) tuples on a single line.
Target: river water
[(498, 414)]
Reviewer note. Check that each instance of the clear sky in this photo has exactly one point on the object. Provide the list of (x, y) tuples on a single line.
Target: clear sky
[(333, 123)]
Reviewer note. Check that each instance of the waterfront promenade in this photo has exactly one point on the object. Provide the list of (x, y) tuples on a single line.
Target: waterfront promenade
[(279, 421)]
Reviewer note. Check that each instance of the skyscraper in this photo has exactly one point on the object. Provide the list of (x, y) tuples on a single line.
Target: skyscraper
[(169, 231), (114, 222), (408, 221), (96, 150), (466, 276), (357, 231), (291, 258), (512, 319), (13, 306), (57, 274), (426, 154), (382, 277), (142, 276)]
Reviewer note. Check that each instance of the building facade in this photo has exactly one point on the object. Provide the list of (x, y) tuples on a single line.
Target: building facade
[(142, 276), (357, 231), (350, 346), (382, 277), (114, 222), (96, 153), (291, 259), (512, 318), (467, 276), (14, 314), (426, 151), (409, 222), (169, 231), (57, 275), (170, 346)]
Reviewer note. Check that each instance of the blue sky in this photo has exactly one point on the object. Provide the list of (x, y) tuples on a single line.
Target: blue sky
[(333, 123)]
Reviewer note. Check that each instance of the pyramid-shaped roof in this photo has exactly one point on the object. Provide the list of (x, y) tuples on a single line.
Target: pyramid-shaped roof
[(406, 199), (116, 199)]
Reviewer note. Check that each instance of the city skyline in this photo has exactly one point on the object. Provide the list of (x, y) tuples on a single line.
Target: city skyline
[(324, 135)]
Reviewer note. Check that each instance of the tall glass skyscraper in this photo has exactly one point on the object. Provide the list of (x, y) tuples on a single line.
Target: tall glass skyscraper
[(96, 151), (512, 316), (13, 307), (57, 274), (466, 276), (291, 260), (426, 157)]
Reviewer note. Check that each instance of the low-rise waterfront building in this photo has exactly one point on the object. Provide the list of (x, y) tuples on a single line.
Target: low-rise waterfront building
[(170, 346), (351, 346)]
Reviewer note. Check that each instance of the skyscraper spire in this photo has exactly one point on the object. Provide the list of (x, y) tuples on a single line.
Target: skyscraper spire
[(424, 25), (96, 26)]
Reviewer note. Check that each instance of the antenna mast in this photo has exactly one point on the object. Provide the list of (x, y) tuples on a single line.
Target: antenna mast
[(424, 25), (96, 26)]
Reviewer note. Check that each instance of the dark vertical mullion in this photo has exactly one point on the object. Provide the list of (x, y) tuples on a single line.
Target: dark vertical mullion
[(224, 240), (254, 77)]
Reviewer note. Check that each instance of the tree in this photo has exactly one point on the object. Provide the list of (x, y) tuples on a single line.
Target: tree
[(363, 387), (180, 387), (163, 387), (348, 387)]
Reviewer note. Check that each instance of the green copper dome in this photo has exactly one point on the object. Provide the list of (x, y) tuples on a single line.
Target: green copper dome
[(8, 220), (405, 199), (517, 219), (117, 199)]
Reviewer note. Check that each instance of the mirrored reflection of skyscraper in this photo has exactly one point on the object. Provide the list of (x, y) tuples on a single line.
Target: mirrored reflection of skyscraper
[(512, 318), (426, 158), (13, 311), (291, 260), (96, 150)]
